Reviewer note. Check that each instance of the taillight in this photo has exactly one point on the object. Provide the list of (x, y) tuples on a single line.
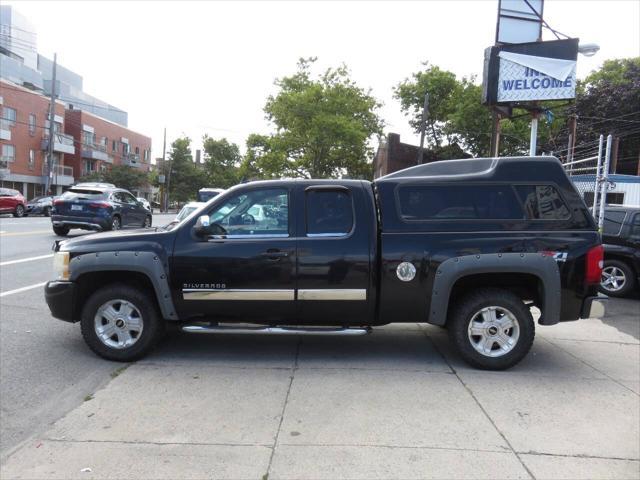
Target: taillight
[(595, 261), (58, 202), (99, 205)]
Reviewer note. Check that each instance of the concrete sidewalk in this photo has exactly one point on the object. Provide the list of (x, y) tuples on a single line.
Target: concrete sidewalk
[(395, 404)]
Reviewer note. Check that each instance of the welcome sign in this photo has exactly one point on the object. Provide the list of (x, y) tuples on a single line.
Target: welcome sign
[(524, 78)]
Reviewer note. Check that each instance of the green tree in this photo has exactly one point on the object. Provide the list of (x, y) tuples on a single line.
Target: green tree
[(323, 127), (222, 162), (186, 178), (122, 176)]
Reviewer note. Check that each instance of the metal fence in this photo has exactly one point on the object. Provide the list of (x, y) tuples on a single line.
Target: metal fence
[(590, 175)]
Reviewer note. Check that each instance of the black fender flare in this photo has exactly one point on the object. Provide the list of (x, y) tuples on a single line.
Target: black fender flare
[(544, 267), (148, 263)]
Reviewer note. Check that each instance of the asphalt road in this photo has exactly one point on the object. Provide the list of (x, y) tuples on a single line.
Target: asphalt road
[(45, 368)]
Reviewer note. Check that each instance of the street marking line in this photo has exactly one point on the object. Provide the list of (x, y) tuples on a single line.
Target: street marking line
[(15, 234), (23, 289), (21, 260)]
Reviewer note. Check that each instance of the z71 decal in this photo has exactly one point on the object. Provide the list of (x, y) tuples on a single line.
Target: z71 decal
[(557, 256)]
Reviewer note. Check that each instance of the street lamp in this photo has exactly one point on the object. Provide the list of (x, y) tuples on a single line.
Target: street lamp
[(588, 49)]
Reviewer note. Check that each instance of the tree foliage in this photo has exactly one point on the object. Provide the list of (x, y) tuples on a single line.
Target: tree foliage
[(122, 176), (222, 162), (185, 178), (323, 127)]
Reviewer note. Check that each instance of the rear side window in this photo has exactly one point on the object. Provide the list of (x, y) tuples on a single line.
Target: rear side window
[(83, 194), (542, 202), (459, 202), (612, 223), (329, 212)]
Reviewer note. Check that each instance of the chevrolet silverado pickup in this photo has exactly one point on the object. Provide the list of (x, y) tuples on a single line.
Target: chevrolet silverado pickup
[(471, 245)]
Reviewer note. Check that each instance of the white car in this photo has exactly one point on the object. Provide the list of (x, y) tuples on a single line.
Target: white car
[(187, 209), (145, 203)]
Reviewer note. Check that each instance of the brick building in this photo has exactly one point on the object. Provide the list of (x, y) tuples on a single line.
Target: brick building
[(24, 140), (393, 155), (103, 143)]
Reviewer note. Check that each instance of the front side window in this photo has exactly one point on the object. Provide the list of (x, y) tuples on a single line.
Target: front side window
[(253, 213), (329, 213), (543, 202), (459, 202)]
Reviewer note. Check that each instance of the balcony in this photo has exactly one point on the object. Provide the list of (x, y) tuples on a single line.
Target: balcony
[(96, 152), (132, 160), (62, 143), (4, 168), (60, 174)]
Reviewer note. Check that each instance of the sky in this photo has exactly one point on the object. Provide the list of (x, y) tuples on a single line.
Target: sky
[(208, 67)]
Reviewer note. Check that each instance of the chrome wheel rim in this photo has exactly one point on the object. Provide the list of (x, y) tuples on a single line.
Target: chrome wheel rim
[(493, 331), (147, 222), (118, 324), (115, 224), (613, 279)]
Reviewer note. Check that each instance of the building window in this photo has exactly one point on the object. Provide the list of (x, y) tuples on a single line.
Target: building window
[(146, 155), (114, 147), (88, 138), (32, 159), (9, 115), (125, 148), (8, 153), (32, 124), (137, 150)]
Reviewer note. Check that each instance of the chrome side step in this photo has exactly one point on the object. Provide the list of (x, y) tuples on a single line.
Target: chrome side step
[(275, 330)]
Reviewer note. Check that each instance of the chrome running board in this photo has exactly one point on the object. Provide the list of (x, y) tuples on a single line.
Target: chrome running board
[(275, 330)]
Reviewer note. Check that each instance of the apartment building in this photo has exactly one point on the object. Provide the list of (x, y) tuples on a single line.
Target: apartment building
[(103, 143), (24, 142)]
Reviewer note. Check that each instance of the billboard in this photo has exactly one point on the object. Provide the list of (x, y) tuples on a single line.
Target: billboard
[(519, 21), (530, 72)]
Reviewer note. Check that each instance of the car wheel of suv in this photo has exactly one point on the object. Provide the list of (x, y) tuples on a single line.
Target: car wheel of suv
[(147, 222), (115, 223), (47, 211), (120, 322), (617, 279), (19, 211), (491, 328), (61, 231)]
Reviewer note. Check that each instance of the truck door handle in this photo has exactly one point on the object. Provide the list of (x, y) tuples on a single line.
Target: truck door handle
[(274, 254)]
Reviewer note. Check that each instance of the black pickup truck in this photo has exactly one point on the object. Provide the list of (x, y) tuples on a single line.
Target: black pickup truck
[(470, 245)]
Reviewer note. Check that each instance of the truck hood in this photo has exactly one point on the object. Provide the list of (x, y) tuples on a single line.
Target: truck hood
[(143, 239)]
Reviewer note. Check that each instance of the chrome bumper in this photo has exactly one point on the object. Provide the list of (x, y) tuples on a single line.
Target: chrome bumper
[(594, 307)]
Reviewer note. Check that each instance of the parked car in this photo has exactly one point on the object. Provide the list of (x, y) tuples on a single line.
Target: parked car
[(11, 201), (621, 239), (97, 206), (39, 206), (145, 203), (187, 209), (206, 194), (470, 245)]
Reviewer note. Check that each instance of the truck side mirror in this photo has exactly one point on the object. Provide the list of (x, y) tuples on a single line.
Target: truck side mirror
[(201, 228)]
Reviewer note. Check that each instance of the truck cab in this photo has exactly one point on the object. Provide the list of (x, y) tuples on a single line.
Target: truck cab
[(470, 245)]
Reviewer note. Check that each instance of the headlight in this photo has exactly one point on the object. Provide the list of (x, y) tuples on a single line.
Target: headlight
[(61, 265)]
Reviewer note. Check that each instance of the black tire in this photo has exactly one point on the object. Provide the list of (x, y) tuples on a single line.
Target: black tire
[(153, 326), (116, 223), (627, 284), (47, 211), (472, 305), (147, 222), (19, 211), (61, 231)]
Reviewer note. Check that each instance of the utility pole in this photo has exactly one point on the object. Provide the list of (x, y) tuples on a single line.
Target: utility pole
[(423, 127), (52, 114), (164, 164)]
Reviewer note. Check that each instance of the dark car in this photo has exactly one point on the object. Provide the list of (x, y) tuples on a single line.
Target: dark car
[(39, 206), (470, 245), (11, 201), (621, 239), (99, 207)]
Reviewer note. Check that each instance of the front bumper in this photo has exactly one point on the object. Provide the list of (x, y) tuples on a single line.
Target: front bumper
[(60, 297), (34, 209), (594, 307)]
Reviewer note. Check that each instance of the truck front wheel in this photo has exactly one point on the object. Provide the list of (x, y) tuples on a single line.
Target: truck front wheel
[(120, 322), (491, 328)]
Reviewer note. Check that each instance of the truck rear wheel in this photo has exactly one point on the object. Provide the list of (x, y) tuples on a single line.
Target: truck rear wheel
[(120, 322), (491, 328)]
